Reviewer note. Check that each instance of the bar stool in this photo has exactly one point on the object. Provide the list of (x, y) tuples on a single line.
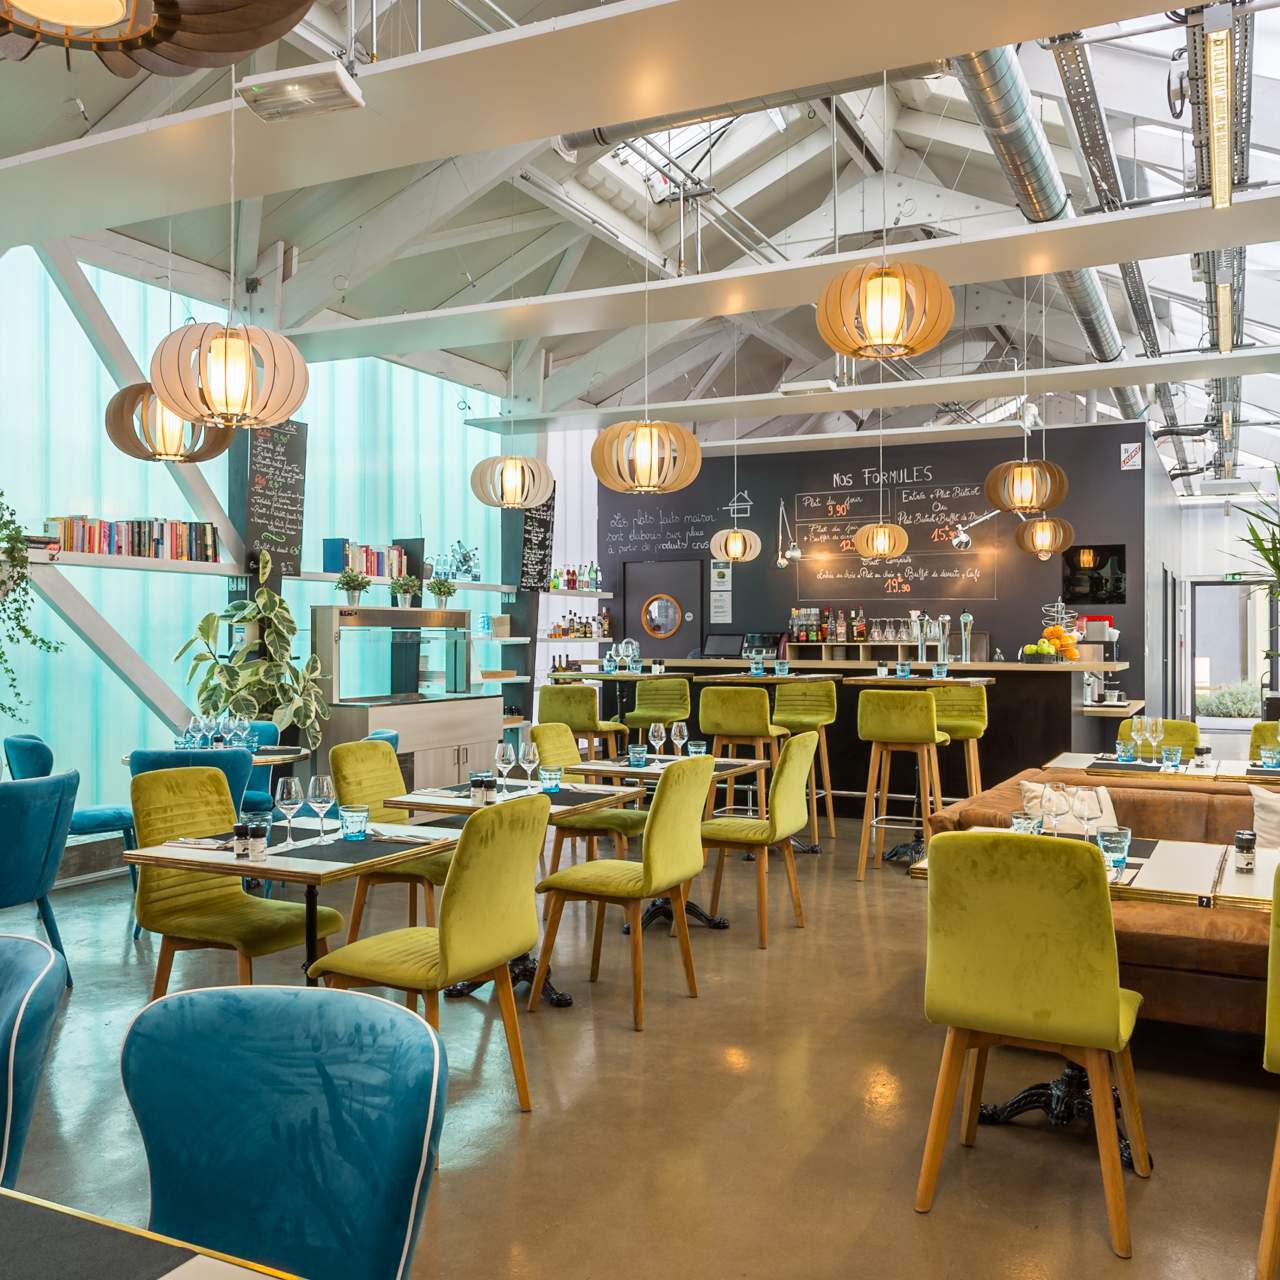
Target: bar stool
[(962, 716), (737, 715), (575, 705), (802, 706), (661, 701), (893, 720)]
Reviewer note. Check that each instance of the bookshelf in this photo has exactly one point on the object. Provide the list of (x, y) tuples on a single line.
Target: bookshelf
[(150, 564)]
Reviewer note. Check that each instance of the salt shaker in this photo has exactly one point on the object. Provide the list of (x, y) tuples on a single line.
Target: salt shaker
[(1246, 844), (491, 791), (240, 840)]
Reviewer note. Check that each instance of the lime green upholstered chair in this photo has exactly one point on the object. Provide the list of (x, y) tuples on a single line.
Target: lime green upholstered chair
[(1269, 1245), (1266, 733), (786, 816), (895, 720), (738, 716), (1022, 951), (488, 917), (800, 706), (576, 706), (367, 772), (661, 701), (198, 910), (1177, 733), (672, 857), (962, 715)]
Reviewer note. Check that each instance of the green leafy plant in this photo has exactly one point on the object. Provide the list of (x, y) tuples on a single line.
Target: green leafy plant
[(15, 609), (405, 584), (1234, 701), (1263, 537), (441, 588), (352, 580), (260, 678)]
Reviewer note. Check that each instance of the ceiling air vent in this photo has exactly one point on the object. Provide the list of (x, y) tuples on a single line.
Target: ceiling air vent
[(300, 91)]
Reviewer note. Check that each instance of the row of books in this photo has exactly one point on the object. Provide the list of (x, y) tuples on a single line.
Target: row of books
[(385, 560), (150, 538)]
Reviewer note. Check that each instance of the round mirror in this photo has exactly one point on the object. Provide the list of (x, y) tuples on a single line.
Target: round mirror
[(661, 616)]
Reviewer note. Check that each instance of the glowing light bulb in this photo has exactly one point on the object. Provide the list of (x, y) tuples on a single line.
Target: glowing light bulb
[(168, 431), (511, 482), (81, 14), (230, 380), (646, 455), (886, 305)]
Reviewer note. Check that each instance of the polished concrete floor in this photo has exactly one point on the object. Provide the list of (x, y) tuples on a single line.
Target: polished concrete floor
[(772, 1127)]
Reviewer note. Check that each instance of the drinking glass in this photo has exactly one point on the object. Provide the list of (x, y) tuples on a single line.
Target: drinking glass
[(782, 667), (679, 736), (550, 780), (1138, 730), (1087, 807), (320, 796), (1114, 843), (1027, 823), (1126, 750), (289, 799), (192, 734), (940, 670), (697, 746), (636, 756), (1055, 803), (529, 758), (504, 759), (354, 821), (1170, 757), (657, 736), (1155, 731), (875, 635), (1270, 757), (903, 670)]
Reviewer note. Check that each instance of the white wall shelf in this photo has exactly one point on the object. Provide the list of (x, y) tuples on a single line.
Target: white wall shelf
[(492, 639), (151, 564), (386, 582), (589, 595), (574, 640)]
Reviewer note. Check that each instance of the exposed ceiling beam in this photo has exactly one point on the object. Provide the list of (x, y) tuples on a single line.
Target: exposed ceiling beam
[(560, 280), (824, 440), (621, 61), (478, 232), (508, 273)]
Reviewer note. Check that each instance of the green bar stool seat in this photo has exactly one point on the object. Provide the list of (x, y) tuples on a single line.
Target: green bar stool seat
[(1177, 733), (962, 715), (804, 707), (734, 716), (661, 701), (897, 720), (576, 706)]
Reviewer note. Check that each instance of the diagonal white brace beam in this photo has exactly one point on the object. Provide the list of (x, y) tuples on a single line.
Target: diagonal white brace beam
[(508, 273), (561, 278)]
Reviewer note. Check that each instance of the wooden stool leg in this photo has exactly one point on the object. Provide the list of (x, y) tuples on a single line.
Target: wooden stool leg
[(762, 778), (882, 807), (973, 766), (412, 886), (1104, 1125), (973, 1096), (635, 911), (1269, 1244), (597, 942), (548, 943), (715, 887), (793, 882), (813, 803), (678, 897), (925, 770), (556, 847), (1135, 1130), (762, 896), (868, 810), (164, 966), (938, 801), (244, 969), (730, 750), (773, 769), (357, 908), (828, 798), (511, 1025), (944, 1101), (429, 892)]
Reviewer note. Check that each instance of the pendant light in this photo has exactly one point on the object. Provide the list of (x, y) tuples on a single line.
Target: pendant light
[(882, 540), (736, 545), (141, 425), (511, 482), (792, 553), (1045, 536), (82, 15), (646, 457), (231, 375)]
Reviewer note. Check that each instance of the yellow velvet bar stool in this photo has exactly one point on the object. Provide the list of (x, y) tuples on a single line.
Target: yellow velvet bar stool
[(576, 705), (1177, 733), (800, 706), (786, 817), (197, 910), (1269, 1244), (738, 716), (1022, 951), (661, 701), (895, 720), (488, 917), (672, 857), (1265, 733), (367, 772), (961, 711)]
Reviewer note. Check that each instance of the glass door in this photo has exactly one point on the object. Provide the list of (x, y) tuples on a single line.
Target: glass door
[(1233, 640)]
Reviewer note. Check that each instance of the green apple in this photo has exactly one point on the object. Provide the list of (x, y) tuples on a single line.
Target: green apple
[(1044, 647), (1029, 648)]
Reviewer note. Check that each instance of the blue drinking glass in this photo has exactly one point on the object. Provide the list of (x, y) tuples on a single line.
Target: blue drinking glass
[(903, 670), (1126, 750)]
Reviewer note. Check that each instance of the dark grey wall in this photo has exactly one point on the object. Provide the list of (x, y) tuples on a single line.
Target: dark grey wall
[(1163, 520), (1003, 586)]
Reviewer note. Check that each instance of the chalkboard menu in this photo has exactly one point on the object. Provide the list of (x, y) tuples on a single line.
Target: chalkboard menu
[(535, 545), (277, 483), (932, 569), (658, 532)]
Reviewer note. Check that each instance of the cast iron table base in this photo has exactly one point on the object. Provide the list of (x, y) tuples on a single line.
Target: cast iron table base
[(1064, 1100), (522, 969), (660, 909), (908, 851)]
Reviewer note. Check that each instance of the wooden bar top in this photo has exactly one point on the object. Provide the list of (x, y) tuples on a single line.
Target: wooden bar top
[(801, 665)]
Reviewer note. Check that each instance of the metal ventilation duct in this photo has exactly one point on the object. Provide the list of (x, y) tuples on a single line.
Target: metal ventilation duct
[(997, 91), (610, 135)]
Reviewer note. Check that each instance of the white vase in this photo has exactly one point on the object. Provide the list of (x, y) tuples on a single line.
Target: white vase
[(353, 598), (405, 600), (442, 602)]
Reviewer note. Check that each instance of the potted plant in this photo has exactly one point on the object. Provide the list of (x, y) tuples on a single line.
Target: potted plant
[(15, 609), (404, 587), (441, 589), (354, 583), (260, 678)]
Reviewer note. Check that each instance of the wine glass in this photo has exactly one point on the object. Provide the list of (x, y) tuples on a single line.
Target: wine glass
[(1087, 807), (1055, 802), (1155, 731), (192, 736), (319, 797), (657, 736), (289, 799), (504, 758), (679, 736), (1138, 730), (529, 758)]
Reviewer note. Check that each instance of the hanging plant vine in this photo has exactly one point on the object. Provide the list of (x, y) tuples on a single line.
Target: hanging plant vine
[(15, 610)]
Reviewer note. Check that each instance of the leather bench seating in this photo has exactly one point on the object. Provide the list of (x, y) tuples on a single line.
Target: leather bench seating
[(1196, 966)]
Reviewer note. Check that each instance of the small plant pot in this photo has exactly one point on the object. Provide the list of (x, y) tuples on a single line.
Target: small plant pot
[(442, 602), (353, 598), (405, 601)]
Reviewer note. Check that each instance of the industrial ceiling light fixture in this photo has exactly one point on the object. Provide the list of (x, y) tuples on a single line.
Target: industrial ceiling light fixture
[(736, 545), (1045, 536), (792, 553), (882, 540), (1219, 58), (512, 482), (1223, 307), (142, 426), (231, 375)]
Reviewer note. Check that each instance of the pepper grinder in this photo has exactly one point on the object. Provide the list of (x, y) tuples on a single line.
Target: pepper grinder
[(966, 636)]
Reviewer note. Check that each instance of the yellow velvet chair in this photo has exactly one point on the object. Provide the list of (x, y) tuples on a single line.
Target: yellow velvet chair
[(1265, 733), (367, 772), (1177, 733), (1022, 951), (961, 713), (800, 706), (895, 720), (576, 705), (198, 910), (488, 917), (738, 716), (661, 701), (786, 817), (672, 857), (1269, 1244)]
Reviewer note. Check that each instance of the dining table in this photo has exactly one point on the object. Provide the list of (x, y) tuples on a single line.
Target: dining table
[(44, 1240), (1195, 771)]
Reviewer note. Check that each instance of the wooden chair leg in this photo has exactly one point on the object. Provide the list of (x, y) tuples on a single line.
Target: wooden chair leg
[(511, 1025), (973, 1096), (548, 943), (429, 893), (1269, 1244), (762, 776), (591, 746), (412, 886), (882, 806), (868, 811), (431, 1003), (357, 908), (715, 885), (975, 766), (925, 770), (828, 799), (813, 803), (164, 966), (556, 846), (773, 768), (730, 749), (793, 883), (244, 969), (634, 912), (597, 943), (678, 896), (1097, 1063), (1135, 1130), (762, 896), (944, 1101), (935, 767), (411, 1001), (591, 848)]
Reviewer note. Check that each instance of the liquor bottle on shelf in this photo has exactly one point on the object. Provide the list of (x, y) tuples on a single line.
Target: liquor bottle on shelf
[(606, 624), (842, 633), (860, 630)]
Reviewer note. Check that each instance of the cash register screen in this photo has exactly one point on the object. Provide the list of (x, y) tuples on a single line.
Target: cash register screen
[(722, 646)]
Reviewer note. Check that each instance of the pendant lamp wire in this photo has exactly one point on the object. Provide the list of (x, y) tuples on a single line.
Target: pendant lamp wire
[(1026, 345), (648, 201), (231, 273), (734, 501)]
